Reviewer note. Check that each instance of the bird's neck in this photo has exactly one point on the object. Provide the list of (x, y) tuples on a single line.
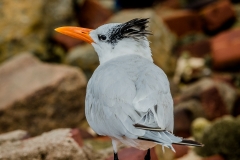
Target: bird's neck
[(140, 48)]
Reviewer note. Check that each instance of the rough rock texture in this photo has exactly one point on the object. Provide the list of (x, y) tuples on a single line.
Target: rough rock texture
[(182, 22), (91, 14), (55, 145), (26, 26), (38, 97), (222, 138), (83, 56), (225, 49), (217, 98), (13, 136), (218, 16)]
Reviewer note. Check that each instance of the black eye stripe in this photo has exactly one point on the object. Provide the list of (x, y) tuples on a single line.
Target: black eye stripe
[(102, 37)]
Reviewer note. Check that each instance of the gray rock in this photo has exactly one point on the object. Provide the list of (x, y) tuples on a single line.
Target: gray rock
[(26, 26), (37, 97), (57, 144), (83, 56), (13, 136)]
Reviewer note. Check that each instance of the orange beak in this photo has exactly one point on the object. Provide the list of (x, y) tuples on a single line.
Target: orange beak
[(76, 32)]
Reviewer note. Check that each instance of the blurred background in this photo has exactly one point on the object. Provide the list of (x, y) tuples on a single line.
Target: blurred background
[(43, 76)]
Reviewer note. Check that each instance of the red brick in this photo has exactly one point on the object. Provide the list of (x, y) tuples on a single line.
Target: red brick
[(91, 14), (182, 22), (213, 104), (225, 49), (182, 122), (76, 135), (216, 14), (134, 154), (180, 150), (215, 157), (196, 49)]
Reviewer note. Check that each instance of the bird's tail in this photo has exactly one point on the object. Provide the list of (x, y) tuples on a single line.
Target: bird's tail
[(166, 139)]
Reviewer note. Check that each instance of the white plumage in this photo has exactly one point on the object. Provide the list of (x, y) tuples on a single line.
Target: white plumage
[(128, 96)]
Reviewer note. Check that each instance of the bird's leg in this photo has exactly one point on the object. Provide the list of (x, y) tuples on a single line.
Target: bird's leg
[(148, 156), (115, 156), (114, 143)]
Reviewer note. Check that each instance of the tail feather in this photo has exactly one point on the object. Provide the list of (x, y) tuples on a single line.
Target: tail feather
[(166, 139), (189, 143)]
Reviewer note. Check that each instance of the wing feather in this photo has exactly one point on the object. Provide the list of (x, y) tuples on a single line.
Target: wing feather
[(124, 94)]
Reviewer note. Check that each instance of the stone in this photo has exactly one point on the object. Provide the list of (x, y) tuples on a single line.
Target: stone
[(218, 16), (38, 97), (30, 26), (182, 22), (57, 144), (91, 14), (216, 97), (221, 138), (180, 150), (182, 122), (13, 136), (83, 56), (225, 49), (196, 4), (198, 127), (162, 40), (196, 49), (215, 157), (134, 154)]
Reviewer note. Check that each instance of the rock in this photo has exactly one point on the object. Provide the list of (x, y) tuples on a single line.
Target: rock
[(217, 98), (182, 22), (182, 122), (89, 9), (196, 49), (215, 157), (175, 4), (198, 127), (196, 4), (29, 27), (225, 49), (57, 144), (13, 136), (83, 56), (134, 154), (37, 97), (162, 40), (218, 16), (221, 138)]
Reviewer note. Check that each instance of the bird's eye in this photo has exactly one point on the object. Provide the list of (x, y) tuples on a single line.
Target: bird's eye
[(102, 37)]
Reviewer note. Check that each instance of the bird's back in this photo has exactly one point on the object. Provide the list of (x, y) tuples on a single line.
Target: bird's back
[(125, 91)]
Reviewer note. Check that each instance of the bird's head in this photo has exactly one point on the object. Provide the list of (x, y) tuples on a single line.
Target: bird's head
[(114, 39)]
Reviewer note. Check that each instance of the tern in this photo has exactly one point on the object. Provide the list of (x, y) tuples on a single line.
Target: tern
[(128, 97)]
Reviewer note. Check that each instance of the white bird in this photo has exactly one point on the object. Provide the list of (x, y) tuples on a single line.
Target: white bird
[(128, 96)]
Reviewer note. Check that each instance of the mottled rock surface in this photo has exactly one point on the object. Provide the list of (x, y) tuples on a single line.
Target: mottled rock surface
[(13, 136), (83, 56), (27, 26), (57, 144), (37, 97)]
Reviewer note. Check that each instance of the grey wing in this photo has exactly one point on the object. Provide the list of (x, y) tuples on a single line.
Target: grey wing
[(154, 98), (109, 109), (114, 97)]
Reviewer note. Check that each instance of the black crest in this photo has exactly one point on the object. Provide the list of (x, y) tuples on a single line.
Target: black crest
[(135, 28)]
